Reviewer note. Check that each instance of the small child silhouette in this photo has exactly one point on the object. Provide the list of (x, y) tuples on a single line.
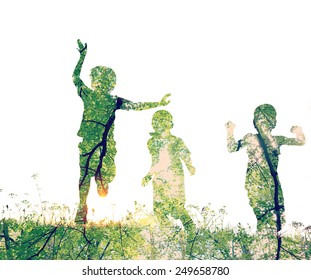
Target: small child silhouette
[(263, 149), (168, 152), (98, 147)]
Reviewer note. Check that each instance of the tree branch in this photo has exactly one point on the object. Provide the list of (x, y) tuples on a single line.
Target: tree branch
[(293, 255), (103, 253), (45, 243)]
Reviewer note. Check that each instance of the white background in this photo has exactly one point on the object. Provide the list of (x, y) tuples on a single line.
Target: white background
[(218, 59), (257, 270)]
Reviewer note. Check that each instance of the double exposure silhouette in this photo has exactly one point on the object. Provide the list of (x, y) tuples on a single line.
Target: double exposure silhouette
[(98, 147), (262, 181), (167, 153)]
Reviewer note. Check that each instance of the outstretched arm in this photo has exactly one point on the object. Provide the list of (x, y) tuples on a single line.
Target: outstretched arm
[(139, 106), (82, 48), (232, 145), (298, 141)]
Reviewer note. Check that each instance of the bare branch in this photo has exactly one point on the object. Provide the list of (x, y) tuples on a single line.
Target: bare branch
[(45, 243), (105, 249)]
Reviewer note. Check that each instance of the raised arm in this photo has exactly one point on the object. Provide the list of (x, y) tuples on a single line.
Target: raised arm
[(298, 141), (232, 145), (139, 106), (82, 48)]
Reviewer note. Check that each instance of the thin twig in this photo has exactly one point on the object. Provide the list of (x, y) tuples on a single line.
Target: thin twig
[(106, 247), (45, 243), (293, 255)]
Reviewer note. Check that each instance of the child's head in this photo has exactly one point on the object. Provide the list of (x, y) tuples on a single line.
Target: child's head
[(265, 117), (162, 120), (103, 78)]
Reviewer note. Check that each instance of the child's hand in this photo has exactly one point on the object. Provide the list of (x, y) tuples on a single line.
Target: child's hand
[(164, 102), (191, 170), (297, 130), (82, 47), (146, 180), (230, 125)]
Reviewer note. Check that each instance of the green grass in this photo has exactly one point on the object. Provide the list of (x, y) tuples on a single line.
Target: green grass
[(34, 236)]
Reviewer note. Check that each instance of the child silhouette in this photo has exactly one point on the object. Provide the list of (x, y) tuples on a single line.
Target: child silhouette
[(263, 149), (167, 153), (98, 147)]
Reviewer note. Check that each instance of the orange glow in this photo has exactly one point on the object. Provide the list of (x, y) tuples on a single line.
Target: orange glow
[(102, 192)]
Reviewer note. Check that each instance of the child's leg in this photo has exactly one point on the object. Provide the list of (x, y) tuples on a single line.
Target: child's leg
[(106, 174), (161, 211), (181, 213), (261, 191), (86, 173), (102, 183), (83, 193)]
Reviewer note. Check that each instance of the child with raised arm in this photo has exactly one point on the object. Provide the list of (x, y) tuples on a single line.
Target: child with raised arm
[(263, 150), (98, 149)]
